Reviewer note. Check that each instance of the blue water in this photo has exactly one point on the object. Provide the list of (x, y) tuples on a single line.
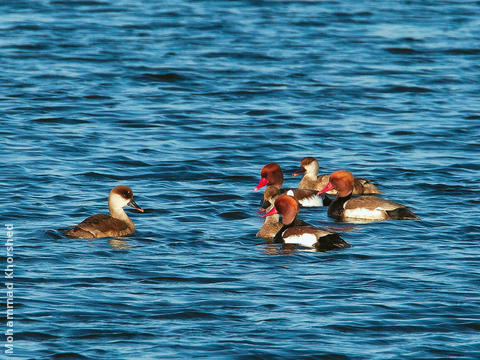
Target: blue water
[(185, 101)]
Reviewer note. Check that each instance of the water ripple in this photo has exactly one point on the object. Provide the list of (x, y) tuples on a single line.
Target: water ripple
[(185, 102)]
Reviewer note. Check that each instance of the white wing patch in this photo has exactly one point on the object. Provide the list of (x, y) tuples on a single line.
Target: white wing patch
[(290, 193), (312, 201), (307, 240)]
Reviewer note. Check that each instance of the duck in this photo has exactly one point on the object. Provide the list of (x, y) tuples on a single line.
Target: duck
[(311, 180), (362, 208), (297, 232), (272, 175), (103, 225), (272, 224)]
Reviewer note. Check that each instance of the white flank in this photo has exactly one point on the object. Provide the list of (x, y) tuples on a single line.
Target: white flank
[(290, 193), (362, 213), (307, 240), (312, 201)]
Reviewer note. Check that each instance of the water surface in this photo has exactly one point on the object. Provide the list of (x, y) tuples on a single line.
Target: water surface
[(185, 102)]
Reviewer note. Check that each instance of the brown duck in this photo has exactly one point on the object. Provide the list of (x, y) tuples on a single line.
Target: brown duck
[(311, 180), (103, 225)]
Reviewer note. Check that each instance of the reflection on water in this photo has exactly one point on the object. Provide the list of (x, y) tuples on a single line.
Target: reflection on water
[(119, 244)]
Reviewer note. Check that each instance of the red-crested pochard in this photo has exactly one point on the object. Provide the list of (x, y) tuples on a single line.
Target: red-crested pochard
[(272, 175), (311, 180), (272, 224), (297, 232), (366, 208), (116, 224)]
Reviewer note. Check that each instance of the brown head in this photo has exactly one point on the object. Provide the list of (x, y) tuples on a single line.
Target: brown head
[(121, 196), (287, 207), (308, 165), (271, 174), (340, 180)]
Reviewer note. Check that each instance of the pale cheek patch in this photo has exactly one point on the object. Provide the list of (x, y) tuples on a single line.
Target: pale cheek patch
[(311, 171), (118, 201), (307, 240), (362, 213)]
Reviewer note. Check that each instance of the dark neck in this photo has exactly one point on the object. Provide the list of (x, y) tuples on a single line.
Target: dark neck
[(335, 210), (278, 236), (296, 222)]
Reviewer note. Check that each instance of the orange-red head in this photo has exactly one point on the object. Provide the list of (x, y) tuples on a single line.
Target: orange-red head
[(287, 207), (271, 174), (340, 180)]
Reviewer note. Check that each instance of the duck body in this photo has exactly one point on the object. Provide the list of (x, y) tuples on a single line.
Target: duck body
[(298, 232), (272, 175), (306, 197), (270, 227), (103, 225), (366, 208), (369, 208), (311, 237), (311, 180)]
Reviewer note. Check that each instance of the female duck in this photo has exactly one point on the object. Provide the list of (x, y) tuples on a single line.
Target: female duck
[(297, 232), (366, 208), (272, 224), (116, 224), (311, 180)]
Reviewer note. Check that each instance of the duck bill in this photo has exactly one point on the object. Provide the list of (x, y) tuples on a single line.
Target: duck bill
[(271, 212), (299, 172), (134, 205), (265, 204), (328, 187), (261, 184)]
